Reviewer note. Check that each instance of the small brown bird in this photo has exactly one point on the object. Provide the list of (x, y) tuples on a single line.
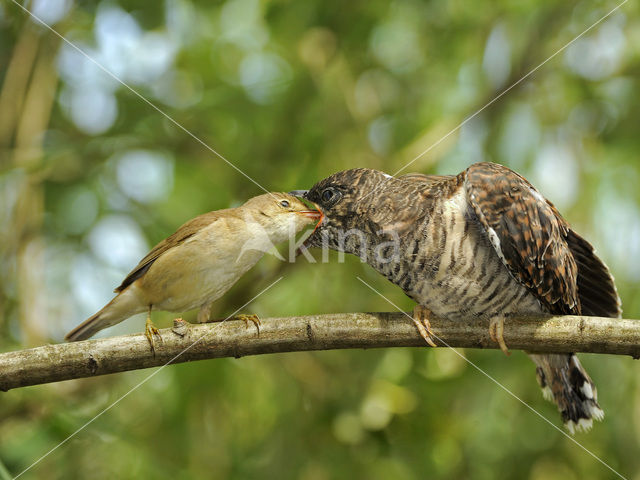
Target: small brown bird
[(201, 261), (483, 243)]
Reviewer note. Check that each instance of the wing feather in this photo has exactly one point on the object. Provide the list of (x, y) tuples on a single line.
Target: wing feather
[(596, 285), (528, 233), (535, 243), (183, 233)]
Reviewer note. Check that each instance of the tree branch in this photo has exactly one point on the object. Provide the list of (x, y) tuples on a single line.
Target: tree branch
[(186, 342)]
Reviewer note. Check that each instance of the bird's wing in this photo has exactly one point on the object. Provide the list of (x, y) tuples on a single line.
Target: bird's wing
[(528, 234), (597, 290), (186, 231)]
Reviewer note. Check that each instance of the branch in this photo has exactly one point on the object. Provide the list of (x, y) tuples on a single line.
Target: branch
[(186, 342)]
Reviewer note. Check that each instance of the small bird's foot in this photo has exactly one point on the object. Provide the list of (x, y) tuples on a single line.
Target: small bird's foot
[(421, 319), (496, 332), (149, 331), (252, 317)]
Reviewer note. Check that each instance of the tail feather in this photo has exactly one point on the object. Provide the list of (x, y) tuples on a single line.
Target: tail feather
[(86, 329), (563, 379), (566, 383), (120, 308)]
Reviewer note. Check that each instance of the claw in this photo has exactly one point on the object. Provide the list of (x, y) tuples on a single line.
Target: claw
[(421, 319), (149, 331), (496, 332), (250, 318)]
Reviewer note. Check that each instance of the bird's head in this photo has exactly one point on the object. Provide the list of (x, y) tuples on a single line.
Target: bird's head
[(345, 202), (279, 215)]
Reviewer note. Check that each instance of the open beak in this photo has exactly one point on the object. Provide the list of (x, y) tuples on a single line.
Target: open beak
[(316, 214), (320, 218), (312, 214)]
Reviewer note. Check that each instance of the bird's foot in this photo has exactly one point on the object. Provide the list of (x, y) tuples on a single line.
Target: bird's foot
[(252, 317), (496, 332), (421, 319), (149, 331)]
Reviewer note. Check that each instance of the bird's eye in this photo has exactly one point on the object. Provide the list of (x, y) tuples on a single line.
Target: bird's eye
[(330, 196), (284, 203), (327, 195)]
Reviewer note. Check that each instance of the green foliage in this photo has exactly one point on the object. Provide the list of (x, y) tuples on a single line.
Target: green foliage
[(290, 92)]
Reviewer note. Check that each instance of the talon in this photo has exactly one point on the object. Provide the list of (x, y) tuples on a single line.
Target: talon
[(250, 318), (496, 332), (149, 331), (421, 319)]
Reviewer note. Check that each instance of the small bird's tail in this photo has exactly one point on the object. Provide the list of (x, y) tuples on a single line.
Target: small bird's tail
[(87, 329), (120, 308), (566, 383)]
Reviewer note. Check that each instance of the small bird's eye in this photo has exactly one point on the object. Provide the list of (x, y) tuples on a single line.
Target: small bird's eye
[(327, 195), (284, 203)]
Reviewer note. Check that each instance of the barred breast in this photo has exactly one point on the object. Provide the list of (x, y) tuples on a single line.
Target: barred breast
[(449, 266)]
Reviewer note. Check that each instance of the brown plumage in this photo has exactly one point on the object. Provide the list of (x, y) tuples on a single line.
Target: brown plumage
[(203, 259), (482, 243)]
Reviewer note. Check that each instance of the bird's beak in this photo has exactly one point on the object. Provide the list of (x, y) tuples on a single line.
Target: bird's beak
[(313, 214), (299, 193), (320, 217)]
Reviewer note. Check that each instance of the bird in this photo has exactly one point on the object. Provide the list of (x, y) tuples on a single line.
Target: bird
[(483, 243), (198, 263)]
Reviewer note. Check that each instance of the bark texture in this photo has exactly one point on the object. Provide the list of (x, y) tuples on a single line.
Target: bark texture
[(186, 342)]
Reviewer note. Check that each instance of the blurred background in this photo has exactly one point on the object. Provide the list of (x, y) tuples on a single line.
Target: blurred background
[(92, 176)]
